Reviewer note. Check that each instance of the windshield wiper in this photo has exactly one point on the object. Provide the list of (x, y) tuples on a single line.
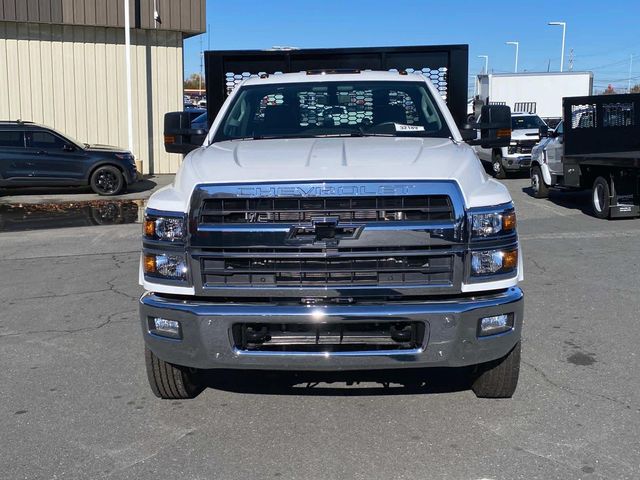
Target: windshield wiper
[(363, 133)]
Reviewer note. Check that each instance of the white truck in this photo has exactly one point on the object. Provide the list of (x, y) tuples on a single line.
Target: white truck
[(535, 93), (526, 131), (333, 220), (597, 147)]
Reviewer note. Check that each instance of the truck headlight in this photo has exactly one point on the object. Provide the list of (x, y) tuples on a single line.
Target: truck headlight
[(492, 262), (493, 223), (167, 266), (165, 228)]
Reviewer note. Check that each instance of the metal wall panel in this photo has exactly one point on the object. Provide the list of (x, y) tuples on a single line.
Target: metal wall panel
[(67, 11), (78, 12), (33, 10), (101, 12), (21, 11), (90, 12), (175, 12), (72, 79), (9, 10), (44, 10), (56, 11), (187, 16)]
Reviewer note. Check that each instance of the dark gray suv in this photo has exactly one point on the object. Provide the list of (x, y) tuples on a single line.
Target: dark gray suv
[(35, 155)]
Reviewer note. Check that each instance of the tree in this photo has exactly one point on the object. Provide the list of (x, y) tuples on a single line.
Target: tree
[(635, 88), (610, 90), (194, 81)]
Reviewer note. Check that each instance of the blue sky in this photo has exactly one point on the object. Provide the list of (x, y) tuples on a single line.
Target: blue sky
[(602, 34)]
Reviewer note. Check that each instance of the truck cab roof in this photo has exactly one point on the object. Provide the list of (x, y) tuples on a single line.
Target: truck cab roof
[(334, 76)]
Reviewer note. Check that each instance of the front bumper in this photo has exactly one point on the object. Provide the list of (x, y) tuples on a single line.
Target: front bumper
[(516, 161), (452, 341)]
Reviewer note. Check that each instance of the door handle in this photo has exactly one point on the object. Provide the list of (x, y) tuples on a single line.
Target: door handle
[(30, 164), (40, 152)]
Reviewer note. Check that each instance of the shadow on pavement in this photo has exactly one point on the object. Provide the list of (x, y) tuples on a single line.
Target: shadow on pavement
[(573, 199), (352, 383)]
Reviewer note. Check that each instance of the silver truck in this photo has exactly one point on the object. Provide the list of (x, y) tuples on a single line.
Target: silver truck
[(525, 133)]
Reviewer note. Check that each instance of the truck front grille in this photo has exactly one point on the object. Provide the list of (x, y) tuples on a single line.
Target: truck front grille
[(372, 268), (284, 210)]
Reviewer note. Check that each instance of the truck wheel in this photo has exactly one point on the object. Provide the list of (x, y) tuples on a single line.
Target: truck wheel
[(107, 180), (498, 379), (539, 188), (170, 381), (601, 198), (497, 167)]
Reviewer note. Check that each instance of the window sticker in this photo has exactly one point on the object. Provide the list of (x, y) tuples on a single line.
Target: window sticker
[(408, 128)]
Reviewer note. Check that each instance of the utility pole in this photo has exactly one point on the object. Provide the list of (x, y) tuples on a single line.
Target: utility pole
[(517, 44), (201, 65), (564, 32), (127, 56), (630, 67)]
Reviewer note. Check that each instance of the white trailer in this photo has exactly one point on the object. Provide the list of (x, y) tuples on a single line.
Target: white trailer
[(539, 93)]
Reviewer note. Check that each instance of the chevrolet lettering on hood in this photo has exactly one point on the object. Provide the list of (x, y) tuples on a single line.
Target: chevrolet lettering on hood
[(323, 190)]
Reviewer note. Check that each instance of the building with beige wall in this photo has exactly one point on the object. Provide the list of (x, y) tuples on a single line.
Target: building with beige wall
[(62, 64)]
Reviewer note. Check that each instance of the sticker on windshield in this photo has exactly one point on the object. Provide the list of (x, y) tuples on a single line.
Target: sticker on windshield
[(408, 128)]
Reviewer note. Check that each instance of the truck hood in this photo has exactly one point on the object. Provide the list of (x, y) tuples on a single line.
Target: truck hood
[(525, 134), (333, 159)]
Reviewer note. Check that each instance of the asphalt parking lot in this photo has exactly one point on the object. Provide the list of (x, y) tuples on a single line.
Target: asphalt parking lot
[(75, 400)]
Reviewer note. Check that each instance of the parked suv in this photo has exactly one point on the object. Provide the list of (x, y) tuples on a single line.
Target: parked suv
[(525, 133), (35, 155)]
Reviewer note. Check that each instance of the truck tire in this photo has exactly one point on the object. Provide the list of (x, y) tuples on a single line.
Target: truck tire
[(539, 188), (601, 198), (107, 180), (169, 381), (498, 379), (496, 165)]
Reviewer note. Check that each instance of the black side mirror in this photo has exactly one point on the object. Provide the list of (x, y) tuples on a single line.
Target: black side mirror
[(179, 137), (495, 128), (543, 131)]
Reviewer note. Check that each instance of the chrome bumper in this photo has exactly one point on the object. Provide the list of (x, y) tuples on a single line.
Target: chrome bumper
[(516, 161), (452, 340)]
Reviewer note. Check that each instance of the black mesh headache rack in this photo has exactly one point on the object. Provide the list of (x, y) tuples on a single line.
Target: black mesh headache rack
[(445, 65), (605, 126)]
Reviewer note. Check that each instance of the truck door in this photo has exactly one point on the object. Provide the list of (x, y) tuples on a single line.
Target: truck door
[(555, 149)]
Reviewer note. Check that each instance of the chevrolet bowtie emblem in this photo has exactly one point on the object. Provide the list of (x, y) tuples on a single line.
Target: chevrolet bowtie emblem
[(322, 231)]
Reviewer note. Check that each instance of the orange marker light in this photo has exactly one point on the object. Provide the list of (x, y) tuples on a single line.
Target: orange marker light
[(510, 260), (509, 221), (149, 264), (149, 228)]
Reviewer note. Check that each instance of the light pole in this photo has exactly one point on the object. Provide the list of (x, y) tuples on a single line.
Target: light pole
[(630, 67), (564, 33), (127, 56), (486, 63), (517, 44)]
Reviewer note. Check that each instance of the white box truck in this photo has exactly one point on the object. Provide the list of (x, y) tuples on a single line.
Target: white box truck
[(539, 93)]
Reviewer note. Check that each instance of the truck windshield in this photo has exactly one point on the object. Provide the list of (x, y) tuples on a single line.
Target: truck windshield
[(326, 109), (526, 122)]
